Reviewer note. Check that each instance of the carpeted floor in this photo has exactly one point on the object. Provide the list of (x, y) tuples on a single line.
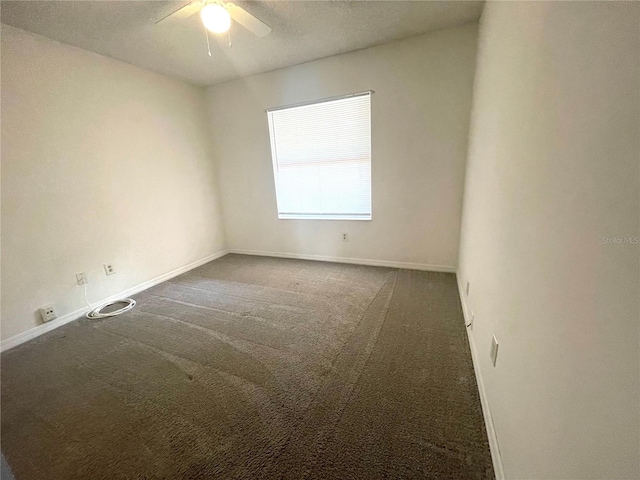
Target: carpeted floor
[(254, 368)]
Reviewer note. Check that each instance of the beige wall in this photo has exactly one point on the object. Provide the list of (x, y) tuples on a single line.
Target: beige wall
[(101, 162), (420, 120), (553, 169)]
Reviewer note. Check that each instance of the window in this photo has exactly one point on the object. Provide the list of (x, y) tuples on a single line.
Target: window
[(322, 159)]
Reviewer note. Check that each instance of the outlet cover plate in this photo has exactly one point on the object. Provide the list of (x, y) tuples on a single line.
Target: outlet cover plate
[(48, 313), (109, 269), (494, 350)]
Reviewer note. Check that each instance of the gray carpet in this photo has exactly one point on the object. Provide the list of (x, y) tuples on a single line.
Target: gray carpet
[(254, 368)]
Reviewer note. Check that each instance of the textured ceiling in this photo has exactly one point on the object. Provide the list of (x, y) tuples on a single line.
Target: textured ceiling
[(302, 31)]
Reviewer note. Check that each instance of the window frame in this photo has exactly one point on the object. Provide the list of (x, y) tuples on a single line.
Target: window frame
[(275, 166)]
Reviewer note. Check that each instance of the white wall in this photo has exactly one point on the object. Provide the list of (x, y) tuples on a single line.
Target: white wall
[(101, 162), (553, 168), (420, 121)]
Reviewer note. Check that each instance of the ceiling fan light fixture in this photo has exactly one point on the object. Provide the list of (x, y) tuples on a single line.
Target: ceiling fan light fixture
[(215, 18)]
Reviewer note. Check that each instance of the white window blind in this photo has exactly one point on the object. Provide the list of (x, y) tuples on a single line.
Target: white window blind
[(322, 159)]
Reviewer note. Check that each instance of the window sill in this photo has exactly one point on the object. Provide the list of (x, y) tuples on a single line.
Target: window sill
[(291, 216)]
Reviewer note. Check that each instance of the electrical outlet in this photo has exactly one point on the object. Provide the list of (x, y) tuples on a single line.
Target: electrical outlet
[(467, 288), (494, 350), (109, 269), (48, 313), (470, 324), (345, 237), (81, 278)]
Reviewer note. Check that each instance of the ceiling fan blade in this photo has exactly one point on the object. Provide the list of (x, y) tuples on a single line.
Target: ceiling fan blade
[(184, 11), (248, 21)]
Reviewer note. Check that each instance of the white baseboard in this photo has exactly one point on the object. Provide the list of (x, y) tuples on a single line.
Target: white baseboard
[(496, 457), (69, 317), (357, 261)]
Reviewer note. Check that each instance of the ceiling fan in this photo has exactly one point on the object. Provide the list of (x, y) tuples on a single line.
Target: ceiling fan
[(216, 16)]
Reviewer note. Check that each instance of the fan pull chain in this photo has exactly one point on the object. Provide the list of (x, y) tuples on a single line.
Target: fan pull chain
[(229, 32), (206, 34)]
